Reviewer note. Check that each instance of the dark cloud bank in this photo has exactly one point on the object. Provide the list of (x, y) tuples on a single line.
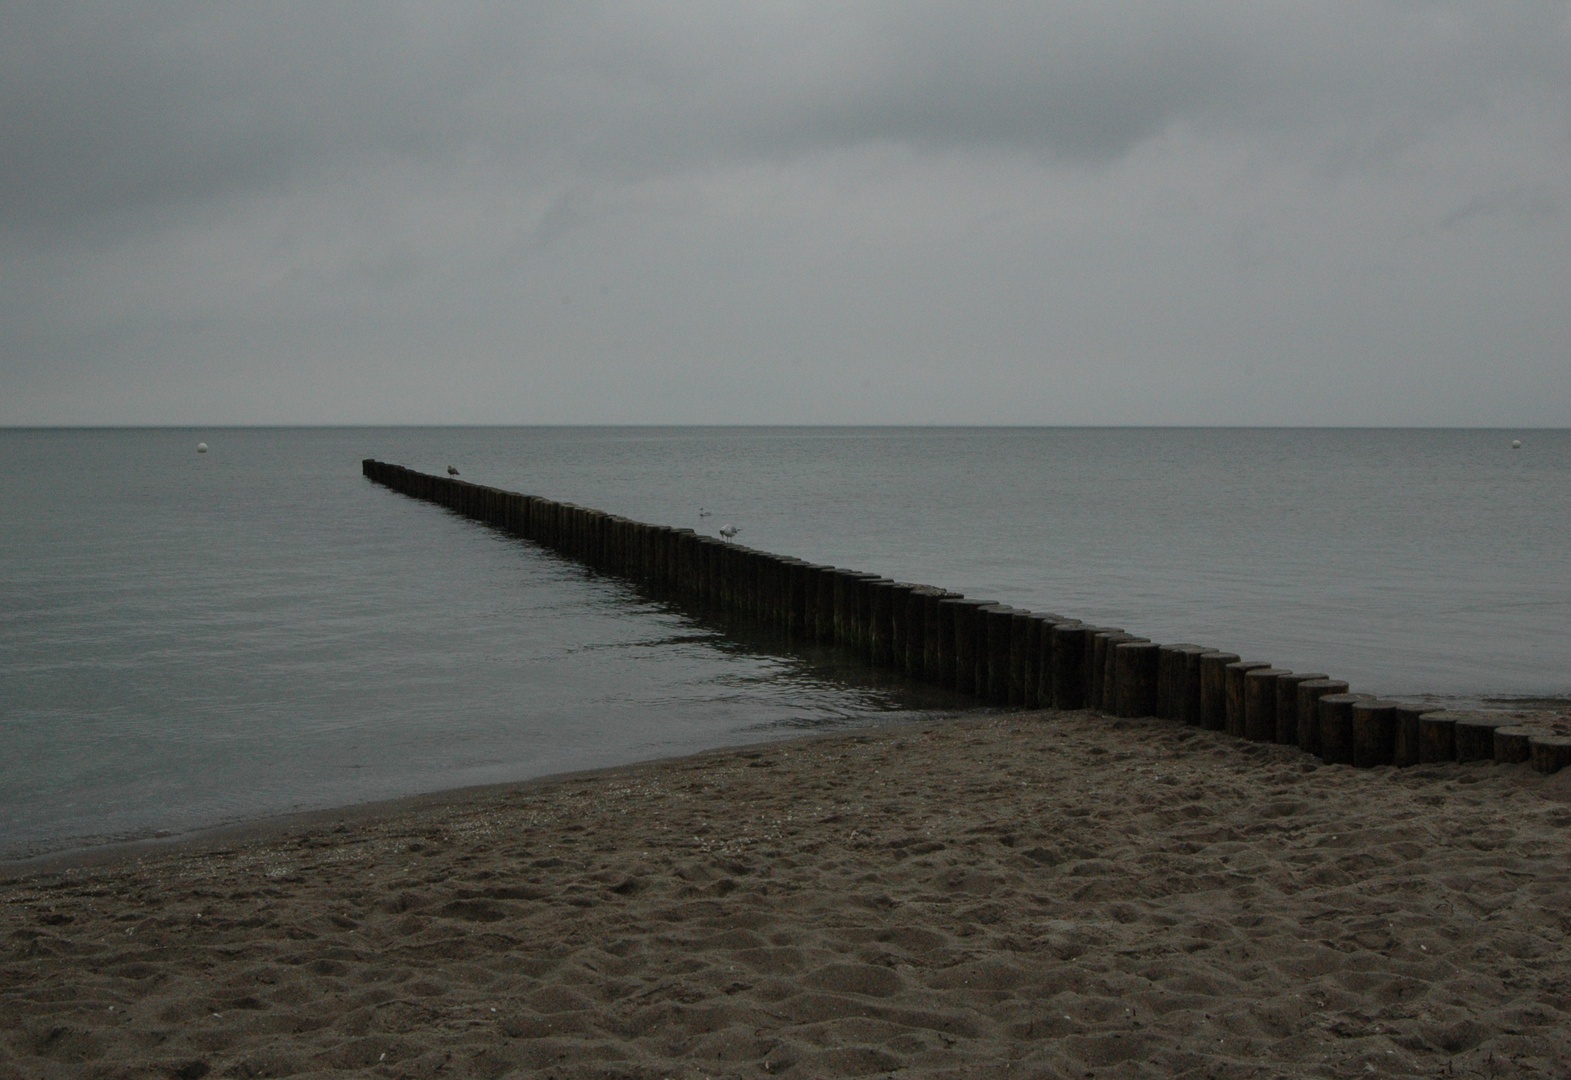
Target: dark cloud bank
[(885, 212)]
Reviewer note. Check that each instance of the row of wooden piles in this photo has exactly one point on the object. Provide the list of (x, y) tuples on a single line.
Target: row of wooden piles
[(995, 653)]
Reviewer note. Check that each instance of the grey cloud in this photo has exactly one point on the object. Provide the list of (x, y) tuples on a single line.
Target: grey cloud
[(145, 107), (1524, 203), (1216, 211), (126, 106)]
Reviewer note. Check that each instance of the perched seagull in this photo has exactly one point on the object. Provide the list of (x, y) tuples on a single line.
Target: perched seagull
[(451, 471), (728, 531)]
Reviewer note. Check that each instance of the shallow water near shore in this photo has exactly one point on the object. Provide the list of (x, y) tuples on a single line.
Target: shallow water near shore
[(189, 639)]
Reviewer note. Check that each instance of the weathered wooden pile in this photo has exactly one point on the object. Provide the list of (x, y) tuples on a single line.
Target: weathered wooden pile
[(995, 653)]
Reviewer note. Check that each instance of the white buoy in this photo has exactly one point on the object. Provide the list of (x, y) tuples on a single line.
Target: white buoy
[(1516, 444), (201, 448)]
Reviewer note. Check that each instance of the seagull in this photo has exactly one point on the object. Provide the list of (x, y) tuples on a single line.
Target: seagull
[(451, 471), (728, 531)]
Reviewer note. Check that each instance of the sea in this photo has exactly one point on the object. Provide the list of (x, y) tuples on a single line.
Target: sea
[(192, 639)]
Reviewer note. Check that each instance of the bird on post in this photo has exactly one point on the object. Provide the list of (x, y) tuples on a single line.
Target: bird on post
[(728, 531), (451, 471)]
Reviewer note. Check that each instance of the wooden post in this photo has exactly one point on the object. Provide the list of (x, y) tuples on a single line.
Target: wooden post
[(1213, 689), (1069, 643), (881, 625), (678, 553), (781, 567), (714, 576), (804, 601), (1260, 703), (1169, 679), (648, 547), (900, 626), (828, 584), (997, 630), (676, 542), (571, 528), (684, 577), (797, 615), (747, 584), (1234, 693), (734, 569), (965, 622), (655, 537), (611, 544), (1475, 737), (1287, 704), (1096, 662), (1089, 661), (1551, 753), (1135, 666), (980, 648), (759, 572), (910, 659), (718, 572), (751, 584), (1336, 728), (948, 636), (1374, 733), (864, 616), (846, 582), (1405, 751), (591, 549), (938, 635), (1025, 641), (530, 529), (1044, 661), (1436, 738), (1306, 710), (1513, 745), (1109, 645), (1096, 665), (1188, 689), (742, 574), (741, 577)]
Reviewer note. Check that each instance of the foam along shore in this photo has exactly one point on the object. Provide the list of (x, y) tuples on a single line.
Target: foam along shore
[(1034, 894)]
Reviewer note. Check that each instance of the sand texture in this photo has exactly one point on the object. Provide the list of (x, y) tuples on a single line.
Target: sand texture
[(1056, 895)]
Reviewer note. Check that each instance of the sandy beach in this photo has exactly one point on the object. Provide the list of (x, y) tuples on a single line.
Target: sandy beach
[(1055, 895)]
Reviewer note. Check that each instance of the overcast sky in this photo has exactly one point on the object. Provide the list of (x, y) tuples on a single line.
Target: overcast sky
[(661, 212)]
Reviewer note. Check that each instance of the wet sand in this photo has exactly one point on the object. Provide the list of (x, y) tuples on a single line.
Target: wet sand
[(1056, 895)]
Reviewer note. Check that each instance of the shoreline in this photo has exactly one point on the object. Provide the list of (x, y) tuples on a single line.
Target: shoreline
[(1534, 710), (111, 853), (1045, 894)]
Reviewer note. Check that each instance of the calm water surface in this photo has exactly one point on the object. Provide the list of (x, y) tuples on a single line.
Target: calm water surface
[(188, 639)]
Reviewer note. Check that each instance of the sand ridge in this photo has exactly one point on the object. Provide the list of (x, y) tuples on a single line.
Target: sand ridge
[(1054, 894)]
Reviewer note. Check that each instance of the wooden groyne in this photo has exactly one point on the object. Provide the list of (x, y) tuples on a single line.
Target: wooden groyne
[(997, 654)]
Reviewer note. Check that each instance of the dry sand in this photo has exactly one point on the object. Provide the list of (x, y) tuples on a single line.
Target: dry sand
[(1021, 895)]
